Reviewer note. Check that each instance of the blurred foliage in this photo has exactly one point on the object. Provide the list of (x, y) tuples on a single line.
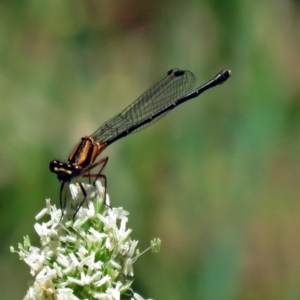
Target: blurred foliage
[(217, 179)]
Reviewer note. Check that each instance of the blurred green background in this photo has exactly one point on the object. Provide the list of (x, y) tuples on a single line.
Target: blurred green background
[(217, 179)]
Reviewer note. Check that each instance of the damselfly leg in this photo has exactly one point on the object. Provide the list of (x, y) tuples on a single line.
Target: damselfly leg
[(92, 173)]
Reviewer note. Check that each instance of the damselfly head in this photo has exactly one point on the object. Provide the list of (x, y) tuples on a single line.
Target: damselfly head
[(64, 171)]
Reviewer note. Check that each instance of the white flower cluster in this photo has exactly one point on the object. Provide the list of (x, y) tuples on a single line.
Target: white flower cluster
[(91, 258)]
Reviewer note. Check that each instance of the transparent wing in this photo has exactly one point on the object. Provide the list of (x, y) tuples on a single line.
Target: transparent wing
[(173, 85)]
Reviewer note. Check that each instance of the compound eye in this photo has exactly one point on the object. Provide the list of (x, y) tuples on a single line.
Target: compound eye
[(53, 165)]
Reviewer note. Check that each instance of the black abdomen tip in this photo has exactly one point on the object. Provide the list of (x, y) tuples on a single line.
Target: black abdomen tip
[(222, 76)]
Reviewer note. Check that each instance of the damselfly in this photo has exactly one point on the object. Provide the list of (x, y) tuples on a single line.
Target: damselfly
[(173, 89)]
